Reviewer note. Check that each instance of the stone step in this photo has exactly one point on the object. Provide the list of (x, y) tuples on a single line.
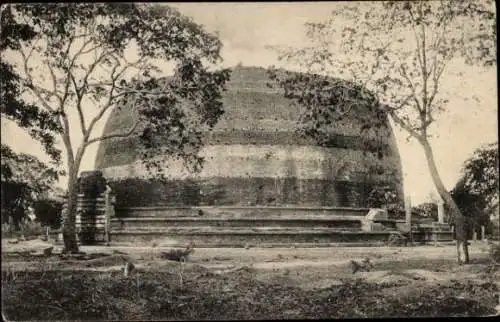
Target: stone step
[(210, 237), (151, 222), (263, 245), (235, 230), (239, 212)]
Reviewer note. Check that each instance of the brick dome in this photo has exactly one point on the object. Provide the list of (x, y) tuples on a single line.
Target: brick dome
[(254, 156)]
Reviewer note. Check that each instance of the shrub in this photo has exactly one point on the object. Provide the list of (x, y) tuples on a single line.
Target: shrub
[(494, 252), (48, 212), (27, 229)]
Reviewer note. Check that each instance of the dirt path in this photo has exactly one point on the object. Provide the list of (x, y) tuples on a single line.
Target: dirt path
[(304, 267)]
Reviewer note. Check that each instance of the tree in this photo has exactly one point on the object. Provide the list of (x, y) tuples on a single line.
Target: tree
[(36, 121), (86, 60), (25, 180), (476, 192), (394, 54), (20, 190)]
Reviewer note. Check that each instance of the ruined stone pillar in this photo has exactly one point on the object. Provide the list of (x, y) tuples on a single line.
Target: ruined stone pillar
[(408, 217), (483, 233), (408, 210), (109, 211), (441, 211)]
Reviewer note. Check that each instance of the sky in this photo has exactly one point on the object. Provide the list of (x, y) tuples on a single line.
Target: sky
[(246, 29)]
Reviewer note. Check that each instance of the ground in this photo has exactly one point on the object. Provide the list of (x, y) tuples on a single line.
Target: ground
[(254, 283)]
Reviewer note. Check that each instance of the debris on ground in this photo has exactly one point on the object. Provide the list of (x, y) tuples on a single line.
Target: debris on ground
[(48, 251), (128, 269), (397, 238), (364, 266), (178, 254)]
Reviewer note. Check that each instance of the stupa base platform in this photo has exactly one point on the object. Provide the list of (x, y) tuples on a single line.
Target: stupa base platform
[(242, 237), (255, 238), (260, 226)]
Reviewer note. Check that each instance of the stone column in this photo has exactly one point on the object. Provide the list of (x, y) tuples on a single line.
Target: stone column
[(408, 217), (408, 210), (64, 213), (483, 233), (441, 211), (109, 211)]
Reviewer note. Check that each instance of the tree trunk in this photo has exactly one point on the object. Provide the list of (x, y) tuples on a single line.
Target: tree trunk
[(460, 220), (16, 223), (69, 229)]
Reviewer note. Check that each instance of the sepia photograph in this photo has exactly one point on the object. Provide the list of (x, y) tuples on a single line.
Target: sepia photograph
[(249, 160)]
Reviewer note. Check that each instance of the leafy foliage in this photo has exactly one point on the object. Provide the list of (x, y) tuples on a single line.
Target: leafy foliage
[(66, 38), (330, 103), (80, 62), (24, 179), (395, 51), (48, 212), (381, 197), (476, 193), (386, 197), (40, 124), (481, 174), (426, 210)]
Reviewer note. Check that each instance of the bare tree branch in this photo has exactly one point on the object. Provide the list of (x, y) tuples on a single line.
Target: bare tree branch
[(412, 87), (81, 117), (111, 97), (54, 82), (417, 38), (436, 77), (404, 125), (399, 121), (67, 140), (66, 86), (423, 67), (112, 136), (72, 62), (82, 89), (33, 87)]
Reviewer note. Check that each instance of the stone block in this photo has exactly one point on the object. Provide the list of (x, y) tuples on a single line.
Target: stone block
[(376, 214)]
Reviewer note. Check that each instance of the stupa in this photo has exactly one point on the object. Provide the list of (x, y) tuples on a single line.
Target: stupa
[(255, 159), (254, 156)]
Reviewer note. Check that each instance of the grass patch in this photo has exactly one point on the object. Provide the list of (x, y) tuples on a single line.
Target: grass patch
[(91, 295)]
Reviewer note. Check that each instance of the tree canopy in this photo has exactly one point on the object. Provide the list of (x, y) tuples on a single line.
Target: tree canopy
[(39, 123), (25, 180), (476, 193), (394, 53), (80, 61)]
